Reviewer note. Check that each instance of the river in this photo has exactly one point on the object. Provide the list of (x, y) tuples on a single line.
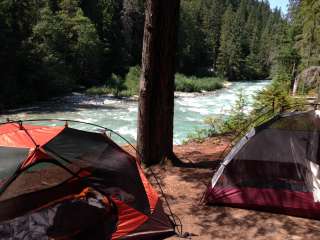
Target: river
[(121, 115)]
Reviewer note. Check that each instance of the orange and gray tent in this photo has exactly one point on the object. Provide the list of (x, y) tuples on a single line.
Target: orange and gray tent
[(42, 167), (274, 168)]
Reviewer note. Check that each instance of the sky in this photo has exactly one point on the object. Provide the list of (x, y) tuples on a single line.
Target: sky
[(279, 3)]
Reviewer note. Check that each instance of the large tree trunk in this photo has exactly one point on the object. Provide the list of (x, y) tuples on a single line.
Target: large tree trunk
[(156, 101)]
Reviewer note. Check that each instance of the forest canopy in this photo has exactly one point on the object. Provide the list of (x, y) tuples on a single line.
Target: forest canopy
[(50, 47)]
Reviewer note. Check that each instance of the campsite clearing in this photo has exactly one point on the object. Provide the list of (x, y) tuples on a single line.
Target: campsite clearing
[(185, 185)]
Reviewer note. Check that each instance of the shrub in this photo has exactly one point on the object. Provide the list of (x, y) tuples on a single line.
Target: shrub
[(117, 84), (100, 90), (182, 82), (199, 135), (129, 85), (194, 84), (276, 97), (233, 123), (132, 80)]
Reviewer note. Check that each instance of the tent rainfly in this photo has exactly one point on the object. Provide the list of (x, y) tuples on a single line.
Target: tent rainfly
[(63, 183), (274, 168)]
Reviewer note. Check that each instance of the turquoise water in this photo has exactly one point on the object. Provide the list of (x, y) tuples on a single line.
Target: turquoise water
[(121, 115)]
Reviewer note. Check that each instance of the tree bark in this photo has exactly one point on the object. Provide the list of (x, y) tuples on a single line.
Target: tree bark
[(156, 101)]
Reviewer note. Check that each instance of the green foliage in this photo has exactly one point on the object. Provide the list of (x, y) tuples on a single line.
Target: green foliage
[(194, 45), (129, 85), (100, 91), (182, 83), (194, 84), (199, 136), (133, 24), (50, 46), (94, 91), (117, 83), (132, 79), (16, 62), (267, 41), (267, 103), (233, 39), (230, 51), (276, 96), (114, 86), (237, 119), (299, 47), (68, 47), (308, 12), (233, 122)]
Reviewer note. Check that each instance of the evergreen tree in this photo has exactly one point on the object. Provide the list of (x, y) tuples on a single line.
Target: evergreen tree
[(110, 30), (214, 22), (309, 40), (70, 42), (53, 5), (192, 47), (133, 22), (266, 49), (16, 20), (252, 66), (67, 46), (229, 60)]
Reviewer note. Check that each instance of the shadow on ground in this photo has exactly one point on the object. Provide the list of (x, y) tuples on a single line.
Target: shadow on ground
[(185, 183)]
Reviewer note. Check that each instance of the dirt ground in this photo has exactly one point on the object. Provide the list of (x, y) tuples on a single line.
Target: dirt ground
[(184, 186)]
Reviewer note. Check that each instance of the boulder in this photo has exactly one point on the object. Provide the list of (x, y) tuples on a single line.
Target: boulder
[(309, 77)]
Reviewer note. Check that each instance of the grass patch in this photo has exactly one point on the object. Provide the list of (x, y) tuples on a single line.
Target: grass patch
[(129, 85), (198, 136), (103, 90), (194, 84), (99, 91)]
